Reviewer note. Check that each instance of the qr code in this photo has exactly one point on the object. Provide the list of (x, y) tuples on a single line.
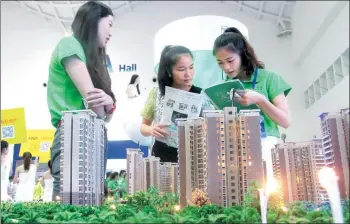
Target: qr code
[(7, 132), (44, 146)]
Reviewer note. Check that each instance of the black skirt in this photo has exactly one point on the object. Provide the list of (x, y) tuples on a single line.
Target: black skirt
[(164, 152)]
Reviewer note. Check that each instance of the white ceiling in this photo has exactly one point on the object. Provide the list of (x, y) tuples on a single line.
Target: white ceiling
[(276, 12)]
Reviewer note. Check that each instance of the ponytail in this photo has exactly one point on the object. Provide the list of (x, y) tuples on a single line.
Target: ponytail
[(50, 166), (27, 159), (233, 40)]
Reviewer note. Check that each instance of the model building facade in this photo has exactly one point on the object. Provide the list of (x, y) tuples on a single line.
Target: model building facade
[(134, 170), (296, 167), (169, 178), (192, 158), (234, 154), (151, 172), (335, 141), (82, 158)]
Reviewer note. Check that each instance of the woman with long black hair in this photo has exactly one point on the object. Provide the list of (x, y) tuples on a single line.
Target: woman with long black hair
[(133, 89), (264, 88), (176, 70), (78, 75), (25, 176)]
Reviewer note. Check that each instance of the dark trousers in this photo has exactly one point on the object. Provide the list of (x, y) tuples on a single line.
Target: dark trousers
[(55, 161), (164, 152)]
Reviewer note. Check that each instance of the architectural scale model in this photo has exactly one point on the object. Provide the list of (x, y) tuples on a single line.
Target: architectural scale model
[(296, 164), (82, 158), (295, 167), (169, 178), (151, 173), (144, 173), (192, 158), (134, 170), (335, 141), (220, 154)]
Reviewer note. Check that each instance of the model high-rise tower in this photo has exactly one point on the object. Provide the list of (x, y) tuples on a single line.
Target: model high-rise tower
[(82, 158), (335, 140), (192, 155), (234, 154), (169, 178), (134, 170), (296, 167), (151, 172)]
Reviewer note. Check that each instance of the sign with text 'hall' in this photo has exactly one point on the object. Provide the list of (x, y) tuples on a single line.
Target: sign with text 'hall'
[(38, 144), (13, 126), (127, 68)]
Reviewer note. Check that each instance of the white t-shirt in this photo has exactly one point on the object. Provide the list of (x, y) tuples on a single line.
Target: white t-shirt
[(131, 91)]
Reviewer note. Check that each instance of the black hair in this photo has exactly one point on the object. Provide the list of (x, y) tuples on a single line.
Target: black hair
[(169, 57), (27, 160), (233, 40), (133, 80), (122, 172), (113, 175), (85, 29), (4, 145), (49, 164), (108, 174)]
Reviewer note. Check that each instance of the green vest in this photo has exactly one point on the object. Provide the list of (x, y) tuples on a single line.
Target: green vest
[(62, 94), (270, 85)]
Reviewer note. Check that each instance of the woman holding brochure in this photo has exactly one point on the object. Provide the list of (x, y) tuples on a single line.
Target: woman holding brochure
[(176, 71), (264, 88)]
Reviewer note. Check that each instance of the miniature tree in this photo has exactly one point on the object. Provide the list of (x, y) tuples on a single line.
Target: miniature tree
[(199, 198)]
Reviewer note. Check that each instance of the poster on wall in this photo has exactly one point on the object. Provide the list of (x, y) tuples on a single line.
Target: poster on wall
[(38, 144), (13, 126)]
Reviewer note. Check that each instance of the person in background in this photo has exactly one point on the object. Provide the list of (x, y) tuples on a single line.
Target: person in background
[(266, 89), (25, 177), (108, 175), (122, 184), (113, 185), (11, 189), (175, 70), (78, 76), (47, 182), (106, 183), (133, 89), (5, 170), (38, 190)]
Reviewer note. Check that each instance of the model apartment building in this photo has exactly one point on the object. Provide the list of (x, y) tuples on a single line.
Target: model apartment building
[(234, 154), (134, 170), (192, 158), (151, 172), (226, 146), (296, 167), (144, 173), (82, 158), (169, 178), (335, 142)]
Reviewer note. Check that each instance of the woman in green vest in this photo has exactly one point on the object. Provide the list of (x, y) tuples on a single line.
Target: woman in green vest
[(264, 88), (78, 76), (122, 184), (113, 188)]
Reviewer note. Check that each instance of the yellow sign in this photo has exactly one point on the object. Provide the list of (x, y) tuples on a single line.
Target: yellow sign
[(38, 144), (13, 126)]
